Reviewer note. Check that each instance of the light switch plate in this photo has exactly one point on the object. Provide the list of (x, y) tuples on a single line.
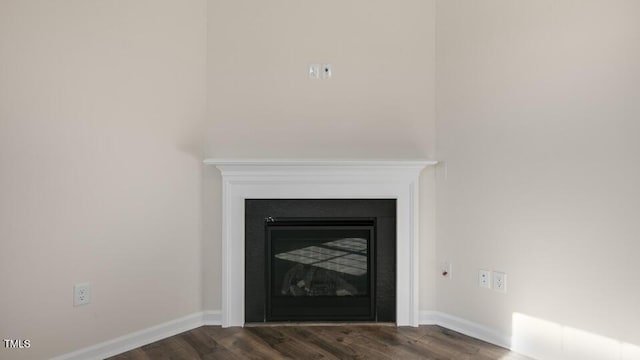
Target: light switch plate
[(484, 279)]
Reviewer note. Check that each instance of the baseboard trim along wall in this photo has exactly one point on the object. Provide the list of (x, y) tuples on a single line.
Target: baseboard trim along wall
[(143, 337), (465, 327), (213, 317)]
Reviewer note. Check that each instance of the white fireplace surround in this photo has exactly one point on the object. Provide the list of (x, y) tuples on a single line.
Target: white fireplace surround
[(319, 179)]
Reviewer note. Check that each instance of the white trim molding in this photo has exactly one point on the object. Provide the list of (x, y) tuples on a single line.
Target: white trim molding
[(143, 337), (211, 317), (319, 179), (465, 327)]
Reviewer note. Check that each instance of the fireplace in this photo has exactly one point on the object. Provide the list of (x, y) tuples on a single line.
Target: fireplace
[(320, 260), (244, 179), (320, 269)]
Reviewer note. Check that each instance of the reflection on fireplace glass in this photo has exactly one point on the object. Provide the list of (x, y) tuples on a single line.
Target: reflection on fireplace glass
[(320, 262)]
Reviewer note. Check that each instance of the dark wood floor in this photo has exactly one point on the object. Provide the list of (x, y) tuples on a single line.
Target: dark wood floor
[(320, 342)]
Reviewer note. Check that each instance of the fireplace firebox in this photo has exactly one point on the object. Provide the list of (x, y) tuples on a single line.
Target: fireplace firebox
[(320, 269), (320, 260)]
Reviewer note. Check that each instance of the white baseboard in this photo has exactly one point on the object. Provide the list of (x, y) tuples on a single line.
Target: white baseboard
[(427, 318), (143, 337), (466, 327), (213, 317)]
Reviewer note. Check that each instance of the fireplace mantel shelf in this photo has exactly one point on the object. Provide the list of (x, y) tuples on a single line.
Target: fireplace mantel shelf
[(255, 168), (320, 162), (319, 179)]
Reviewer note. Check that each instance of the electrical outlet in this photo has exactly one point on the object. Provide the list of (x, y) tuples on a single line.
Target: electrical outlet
[(499, 281), (326, 71), (484, 279), (445, 269), (314, 71), (81, 294)]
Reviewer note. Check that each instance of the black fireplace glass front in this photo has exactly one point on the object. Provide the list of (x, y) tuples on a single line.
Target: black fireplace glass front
[(320, 260), (320, 269)]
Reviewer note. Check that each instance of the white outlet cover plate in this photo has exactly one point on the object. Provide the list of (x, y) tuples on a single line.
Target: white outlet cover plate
[(484, 279), (314, 71), (499, 281), (81, 294)]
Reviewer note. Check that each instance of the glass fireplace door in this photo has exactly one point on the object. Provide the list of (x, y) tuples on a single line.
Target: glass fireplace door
[(320, 269)]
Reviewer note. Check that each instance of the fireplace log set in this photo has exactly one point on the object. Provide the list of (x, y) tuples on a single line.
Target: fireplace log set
[(302, 280)]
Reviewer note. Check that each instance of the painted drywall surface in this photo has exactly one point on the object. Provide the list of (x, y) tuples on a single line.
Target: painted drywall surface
[(101, 104), (379, 102), (212, 239), (537, 123)]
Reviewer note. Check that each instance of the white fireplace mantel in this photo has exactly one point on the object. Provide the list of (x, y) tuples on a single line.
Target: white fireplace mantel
[(319, 179)]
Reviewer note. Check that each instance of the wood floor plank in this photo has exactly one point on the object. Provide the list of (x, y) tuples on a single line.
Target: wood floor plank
[(361, 339), (334, 345), (288, 345), (202, 345), (320, 343), (397, 338), (447, 339), (135, 354), (249, 346)]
